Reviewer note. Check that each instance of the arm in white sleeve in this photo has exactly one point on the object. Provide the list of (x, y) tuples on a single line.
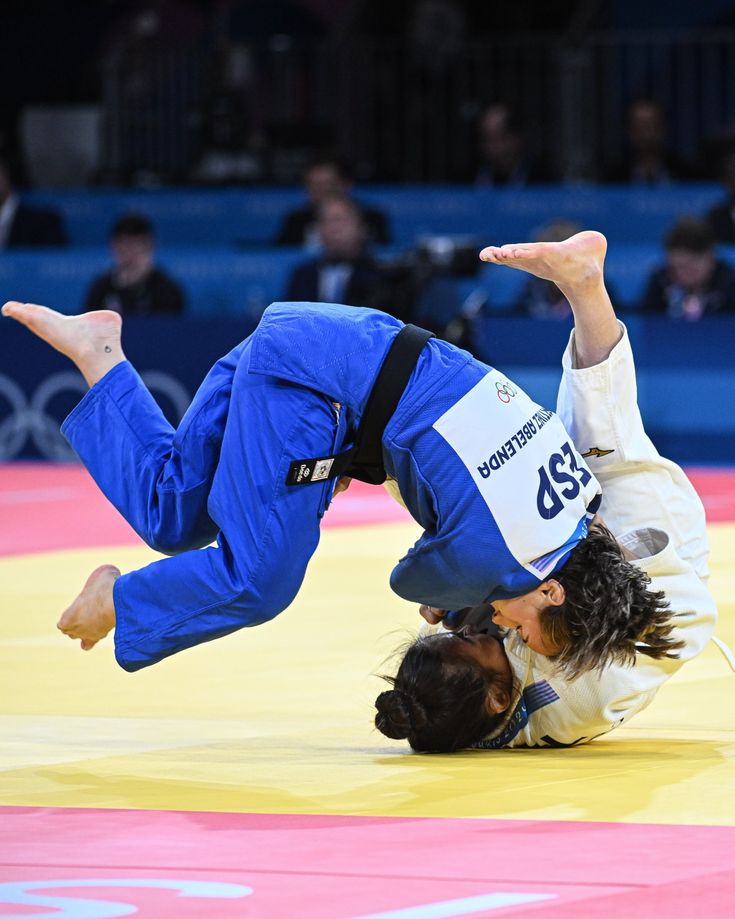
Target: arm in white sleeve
[(599, 407)]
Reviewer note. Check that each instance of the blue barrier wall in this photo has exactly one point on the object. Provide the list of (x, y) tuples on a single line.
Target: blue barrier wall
[(217, 283), (216, 242), (231, 217), (686, 381), (223, 283)]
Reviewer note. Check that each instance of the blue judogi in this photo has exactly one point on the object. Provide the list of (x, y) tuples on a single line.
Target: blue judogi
[(221, 475)]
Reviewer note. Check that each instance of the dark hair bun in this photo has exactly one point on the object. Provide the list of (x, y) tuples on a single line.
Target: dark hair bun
[(398, 714)]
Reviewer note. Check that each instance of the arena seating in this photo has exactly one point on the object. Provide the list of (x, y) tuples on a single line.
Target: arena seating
[(215, 243), (218, 282), (231, 217), (226, 283)]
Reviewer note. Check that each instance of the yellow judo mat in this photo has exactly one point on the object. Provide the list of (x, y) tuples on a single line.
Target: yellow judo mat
[(278, 719)]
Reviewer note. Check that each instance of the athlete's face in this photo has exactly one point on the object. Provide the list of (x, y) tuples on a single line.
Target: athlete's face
[(487, 652), (471, 644), (523, 614)]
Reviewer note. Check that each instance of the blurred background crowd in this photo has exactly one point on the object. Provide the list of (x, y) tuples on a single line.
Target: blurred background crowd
[(329, 94), (198, 160), (222, 91)]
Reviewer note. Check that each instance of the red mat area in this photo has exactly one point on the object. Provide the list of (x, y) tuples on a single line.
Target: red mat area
[(336, 867), (45, 507), (716, 488)]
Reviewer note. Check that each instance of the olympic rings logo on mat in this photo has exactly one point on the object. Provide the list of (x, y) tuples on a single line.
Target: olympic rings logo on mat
[(24, 418), (505, 391)]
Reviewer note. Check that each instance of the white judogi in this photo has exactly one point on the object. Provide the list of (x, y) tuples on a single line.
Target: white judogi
[(652, 508)]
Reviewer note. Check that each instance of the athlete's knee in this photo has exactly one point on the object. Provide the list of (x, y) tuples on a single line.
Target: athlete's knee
[(172, 537), (266, 596), (166, 545)]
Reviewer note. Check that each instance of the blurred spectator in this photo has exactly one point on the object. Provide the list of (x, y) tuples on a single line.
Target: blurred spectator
[(323, 179), (232, 146), (503, 157), (21, 225), (134, 286), (649, 161), (150, 58), (344, 272), (543, 299), (272, 62), (436, 34), (722, 216), (693, 282), (431, 116)]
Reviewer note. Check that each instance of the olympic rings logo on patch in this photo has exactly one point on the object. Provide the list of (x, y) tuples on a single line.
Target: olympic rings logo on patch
[(24, 418), (505, 391)]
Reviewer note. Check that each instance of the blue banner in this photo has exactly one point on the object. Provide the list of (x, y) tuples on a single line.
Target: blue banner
[(686, 376)]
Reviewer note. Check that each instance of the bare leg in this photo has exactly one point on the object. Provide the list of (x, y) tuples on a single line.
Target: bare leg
[(91, 341), (576, 267)]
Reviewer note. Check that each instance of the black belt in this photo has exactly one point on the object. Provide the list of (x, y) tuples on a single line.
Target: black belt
[(364, 460)]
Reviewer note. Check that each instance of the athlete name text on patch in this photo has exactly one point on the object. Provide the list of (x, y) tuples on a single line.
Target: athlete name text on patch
[(515, 443), (529, 474)]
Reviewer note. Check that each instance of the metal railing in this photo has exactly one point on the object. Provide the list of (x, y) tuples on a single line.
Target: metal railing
[(397, 114)]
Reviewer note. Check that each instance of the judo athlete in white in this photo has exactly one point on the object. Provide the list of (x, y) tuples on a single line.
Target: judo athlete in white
[(657, 518)]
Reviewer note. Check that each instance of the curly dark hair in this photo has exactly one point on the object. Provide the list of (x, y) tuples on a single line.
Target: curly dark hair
[(437, 701), (608, 614)]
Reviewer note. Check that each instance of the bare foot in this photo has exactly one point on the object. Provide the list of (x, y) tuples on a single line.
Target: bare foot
[(92, 615), (91, 340), (573, 265)]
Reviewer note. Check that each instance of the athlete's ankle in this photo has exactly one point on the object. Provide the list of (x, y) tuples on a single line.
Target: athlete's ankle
[(94, 366), (586, 291)]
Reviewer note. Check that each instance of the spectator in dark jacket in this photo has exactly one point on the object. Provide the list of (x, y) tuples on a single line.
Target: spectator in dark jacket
[(722, 216), (649, 160), (693, 282), (323, 179), (21, 225), (502, 151), (344, 272), (134, 286)]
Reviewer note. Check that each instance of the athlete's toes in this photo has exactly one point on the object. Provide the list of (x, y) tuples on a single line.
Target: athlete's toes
[(514, 250), (31, 315), (67, 630), (68, 622), (86, 644), (12, 309)]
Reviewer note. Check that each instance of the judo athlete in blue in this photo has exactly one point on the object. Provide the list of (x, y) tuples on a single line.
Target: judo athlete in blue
[(500, 490)]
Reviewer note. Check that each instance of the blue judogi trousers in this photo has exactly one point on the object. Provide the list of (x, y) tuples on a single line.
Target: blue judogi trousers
[(221, 475)]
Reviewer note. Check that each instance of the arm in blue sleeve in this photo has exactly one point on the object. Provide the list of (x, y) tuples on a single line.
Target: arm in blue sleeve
[(430, 574)]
